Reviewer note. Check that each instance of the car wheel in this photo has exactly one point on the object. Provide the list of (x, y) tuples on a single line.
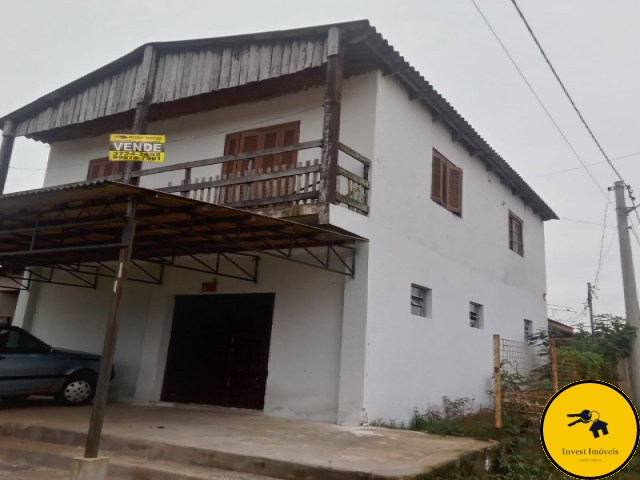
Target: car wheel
[(79, 389)]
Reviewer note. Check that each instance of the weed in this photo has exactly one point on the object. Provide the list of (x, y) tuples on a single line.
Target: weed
[(520, 455)]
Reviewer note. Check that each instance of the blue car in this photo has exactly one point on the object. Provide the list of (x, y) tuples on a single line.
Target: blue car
[(29, 366)]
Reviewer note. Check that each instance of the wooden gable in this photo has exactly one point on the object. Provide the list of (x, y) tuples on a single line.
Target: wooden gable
[(179, 73)]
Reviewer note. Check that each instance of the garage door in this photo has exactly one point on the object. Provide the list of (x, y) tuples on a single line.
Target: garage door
[(219, 350)]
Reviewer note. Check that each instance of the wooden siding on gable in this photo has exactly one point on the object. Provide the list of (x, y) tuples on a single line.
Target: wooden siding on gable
[(188, 73), (111, 95), (180, 74)]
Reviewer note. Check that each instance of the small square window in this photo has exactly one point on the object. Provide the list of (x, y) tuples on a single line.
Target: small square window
[(476, 319), (528, 328), (516, 242), (420, 301)]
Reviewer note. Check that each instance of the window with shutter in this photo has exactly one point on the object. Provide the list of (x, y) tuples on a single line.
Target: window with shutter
[(516, 242), (102, 167), (290, 137), (256, 140), (436, 180), (454, 188), (270, 141), (231, 147), (446, 183)]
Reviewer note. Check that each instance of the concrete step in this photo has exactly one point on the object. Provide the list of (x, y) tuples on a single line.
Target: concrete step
[(121, 467), (13, 470), (260, 446), (182, 455)]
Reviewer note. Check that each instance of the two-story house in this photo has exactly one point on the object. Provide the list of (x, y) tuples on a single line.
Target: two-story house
[(327, 238)]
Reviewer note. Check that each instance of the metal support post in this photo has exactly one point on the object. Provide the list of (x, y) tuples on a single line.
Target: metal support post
[(111, 336)]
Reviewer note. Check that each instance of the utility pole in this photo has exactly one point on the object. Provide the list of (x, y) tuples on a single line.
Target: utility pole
[(629, 285), (590, 303)]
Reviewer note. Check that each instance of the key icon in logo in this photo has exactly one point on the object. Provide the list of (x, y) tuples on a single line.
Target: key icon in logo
[(589, 416)]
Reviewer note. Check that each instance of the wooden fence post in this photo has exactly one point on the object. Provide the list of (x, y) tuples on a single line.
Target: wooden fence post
[(497, 385), (554, 363)]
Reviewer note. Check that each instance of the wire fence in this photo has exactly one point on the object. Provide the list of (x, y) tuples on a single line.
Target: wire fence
[(526, 376)]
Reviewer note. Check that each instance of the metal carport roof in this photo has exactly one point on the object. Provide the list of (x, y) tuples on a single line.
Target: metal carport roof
[(80, 226), (83, 223)]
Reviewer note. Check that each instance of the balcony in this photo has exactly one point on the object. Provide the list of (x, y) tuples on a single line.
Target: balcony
[(142, 88), (287, 191)]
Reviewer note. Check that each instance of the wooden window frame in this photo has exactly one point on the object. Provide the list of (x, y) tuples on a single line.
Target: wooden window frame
[(117, 167), (445, 176), (516, 238), (231, 167), (236, 142)]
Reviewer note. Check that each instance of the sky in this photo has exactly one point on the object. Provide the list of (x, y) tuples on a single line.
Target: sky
[(593, 45)]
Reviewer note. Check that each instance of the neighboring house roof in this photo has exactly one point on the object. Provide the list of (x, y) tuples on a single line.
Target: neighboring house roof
[(113, 89), (561, 327)]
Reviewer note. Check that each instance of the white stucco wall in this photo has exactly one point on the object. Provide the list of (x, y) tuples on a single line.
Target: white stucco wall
[(413, 361), (200, 136), (304, 360), (366, 356), (75, 318)]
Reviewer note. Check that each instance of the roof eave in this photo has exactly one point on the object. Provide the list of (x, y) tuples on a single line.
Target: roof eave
[(437, 104), (41, 102)]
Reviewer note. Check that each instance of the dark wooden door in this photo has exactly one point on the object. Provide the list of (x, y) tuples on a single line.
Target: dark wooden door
[(219, 350)]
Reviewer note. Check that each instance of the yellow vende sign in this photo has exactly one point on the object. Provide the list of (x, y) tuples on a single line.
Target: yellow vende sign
[(589, 429), (136, 148)]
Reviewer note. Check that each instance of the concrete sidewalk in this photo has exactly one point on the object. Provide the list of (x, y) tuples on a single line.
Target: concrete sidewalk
[(246, 442), (23, 471)]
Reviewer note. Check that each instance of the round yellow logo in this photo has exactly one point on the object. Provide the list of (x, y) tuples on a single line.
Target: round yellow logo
[(589, 429)]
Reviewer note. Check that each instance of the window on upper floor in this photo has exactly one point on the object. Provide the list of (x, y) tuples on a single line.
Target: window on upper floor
[(256, 140), (476, 315), (102, 167), (446, 183), (420, 301), (515, 234)]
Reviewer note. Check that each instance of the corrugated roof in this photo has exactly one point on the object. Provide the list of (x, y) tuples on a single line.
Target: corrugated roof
[(82, 223), (365, 45)]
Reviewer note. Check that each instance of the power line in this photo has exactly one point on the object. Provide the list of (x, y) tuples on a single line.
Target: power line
[(566, 92), (556, 305), (604, 231), (515, 64), (588, 165), (635, 234), (588, 223), (582, 119), (577, 110)]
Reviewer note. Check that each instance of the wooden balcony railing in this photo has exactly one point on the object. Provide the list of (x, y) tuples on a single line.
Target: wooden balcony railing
[(282, 186), (277, 186)]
